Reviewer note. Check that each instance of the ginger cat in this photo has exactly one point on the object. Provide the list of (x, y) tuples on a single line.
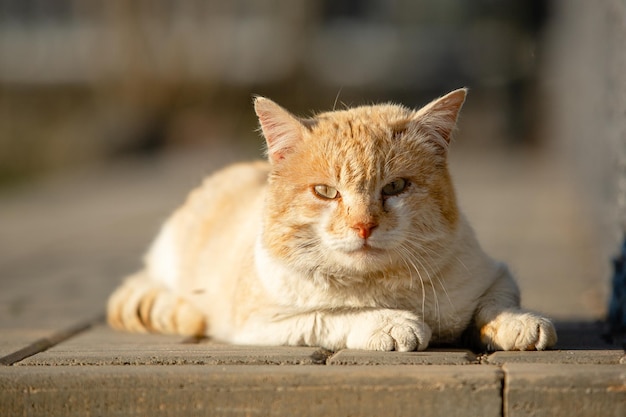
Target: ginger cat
[(348, 237)]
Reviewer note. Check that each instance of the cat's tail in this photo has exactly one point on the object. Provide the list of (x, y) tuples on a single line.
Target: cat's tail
[(142, 305)]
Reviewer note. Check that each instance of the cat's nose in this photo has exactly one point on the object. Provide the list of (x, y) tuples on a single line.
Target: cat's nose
[(364, 230)]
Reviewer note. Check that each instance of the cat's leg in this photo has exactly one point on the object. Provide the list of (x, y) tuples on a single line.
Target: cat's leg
[(503, 325), (143, 305), (370, 329)]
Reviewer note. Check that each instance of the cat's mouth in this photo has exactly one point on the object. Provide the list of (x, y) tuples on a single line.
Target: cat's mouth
[(365, 249), (364, 258), (359, 251)]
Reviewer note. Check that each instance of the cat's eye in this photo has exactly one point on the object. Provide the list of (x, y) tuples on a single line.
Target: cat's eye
[(325, 191), (395, 187)]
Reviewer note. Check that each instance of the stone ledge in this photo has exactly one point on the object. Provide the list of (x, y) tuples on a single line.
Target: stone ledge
[(548, 390), (251, 390)]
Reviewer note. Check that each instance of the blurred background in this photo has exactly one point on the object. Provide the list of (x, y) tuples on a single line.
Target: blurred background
[(86, 80), (111, 110)]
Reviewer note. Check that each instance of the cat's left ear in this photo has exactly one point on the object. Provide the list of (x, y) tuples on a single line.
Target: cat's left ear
[(439, 117), (281, 129)]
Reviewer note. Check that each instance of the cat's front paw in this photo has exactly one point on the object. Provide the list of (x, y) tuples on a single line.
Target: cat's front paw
[(518, 330), (388, 330)]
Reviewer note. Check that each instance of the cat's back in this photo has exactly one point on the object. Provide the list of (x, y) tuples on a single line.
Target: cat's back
[(220, 216), (223, 195), (240, 181)]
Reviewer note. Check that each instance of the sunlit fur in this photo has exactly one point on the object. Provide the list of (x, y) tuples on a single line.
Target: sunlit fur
[(257, 255)]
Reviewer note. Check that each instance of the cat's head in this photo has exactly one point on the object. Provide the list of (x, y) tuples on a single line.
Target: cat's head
[(362, 190)]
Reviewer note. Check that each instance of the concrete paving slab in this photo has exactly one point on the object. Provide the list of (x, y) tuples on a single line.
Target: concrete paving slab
[(251, 390), (550, 390), (103, 346), (588, 357), (55, 294), (429, 357)]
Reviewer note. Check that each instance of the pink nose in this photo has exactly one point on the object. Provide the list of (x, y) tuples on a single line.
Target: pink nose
[(364, 230)]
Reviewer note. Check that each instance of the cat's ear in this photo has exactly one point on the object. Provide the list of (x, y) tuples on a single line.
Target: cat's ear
[(281, 129), (439, 116)]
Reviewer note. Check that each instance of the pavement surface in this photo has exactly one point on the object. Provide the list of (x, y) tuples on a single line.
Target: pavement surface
[(67, 242)]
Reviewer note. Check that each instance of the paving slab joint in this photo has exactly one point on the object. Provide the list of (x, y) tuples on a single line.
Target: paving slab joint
[(46, 343), (503, 390), (482, 359), (322, 356)]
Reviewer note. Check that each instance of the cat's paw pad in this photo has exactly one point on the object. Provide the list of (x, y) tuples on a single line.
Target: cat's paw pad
[(387, 330), (519, 331)]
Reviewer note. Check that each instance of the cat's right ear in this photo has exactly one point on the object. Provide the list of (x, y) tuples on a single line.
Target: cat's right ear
[(281, 129)]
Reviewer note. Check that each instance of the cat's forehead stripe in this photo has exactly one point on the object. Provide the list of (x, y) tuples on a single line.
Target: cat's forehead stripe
[(360, 164), (364, 147)]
